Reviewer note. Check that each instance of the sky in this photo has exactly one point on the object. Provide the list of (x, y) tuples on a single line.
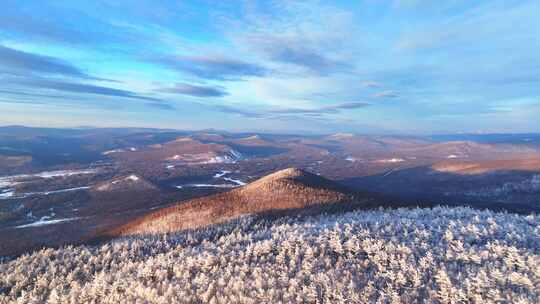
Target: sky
[(363, 66)]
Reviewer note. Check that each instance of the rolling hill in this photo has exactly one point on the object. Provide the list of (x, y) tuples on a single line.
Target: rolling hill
[(481, 167), (283, 190)]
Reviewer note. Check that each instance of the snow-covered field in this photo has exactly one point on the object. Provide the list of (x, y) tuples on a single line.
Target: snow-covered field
[(438, 255), (8, 183), (229, 157)]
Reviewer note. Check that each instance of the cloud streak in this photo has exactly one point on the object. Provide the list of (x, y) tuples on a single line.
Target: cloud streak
[(295, 52), (12, 59), (371, 84), (237, 111), (195, 90), (63, 23), (331, 109), (80, 88), (211, 67), (287, 112), (386, 94)]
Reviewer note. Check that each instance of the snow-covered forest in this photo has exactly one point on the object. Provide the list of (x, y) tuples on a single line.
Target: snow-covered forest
[(440, 255)]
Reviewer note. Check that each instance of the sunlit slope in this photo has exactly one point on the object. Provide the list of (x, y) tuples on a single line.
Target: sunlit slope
[(283, 190)]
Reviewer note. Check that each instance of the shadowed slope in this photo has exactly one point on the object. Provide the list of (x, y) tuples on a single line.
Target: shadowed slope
[(286, 189)]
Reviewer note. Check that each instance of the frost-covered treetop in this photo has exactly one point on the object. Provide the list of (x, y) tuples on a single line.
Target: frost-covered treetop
[(439, 255)]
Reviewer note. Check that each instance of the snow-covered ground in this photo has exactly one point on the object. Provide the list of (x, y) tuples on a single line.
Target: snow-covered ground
[(206, 186), (121, 183), (221, 173), (132, 178), (44, 221), (113, 151), (236, 181), (350, 158), (229, 157), (59, 191), (12, 194), (440, 255), (8, 183), (6, 193), (132, 149), (390, 160)]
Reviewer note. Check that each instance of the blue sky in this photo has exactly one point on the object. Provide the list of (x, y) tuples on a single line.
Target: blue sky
[(371, 66)]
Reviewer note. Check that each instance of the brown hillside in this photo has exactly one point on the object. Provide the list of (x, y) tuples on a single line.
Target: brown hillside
[(286, 189), (470, 167)]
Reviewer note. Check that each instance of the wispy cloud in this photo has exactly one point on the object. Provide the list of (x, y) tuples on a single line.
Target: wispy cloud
[(330, 109), (161, 106), (298, 37), (469, 30), (275, 59), (29, 94), (195, 90), (386, 94), (287, 112), (237, 111), (63, 23), (12, 59), (371, 84), (211, 67), (73, 87), (294, 51)]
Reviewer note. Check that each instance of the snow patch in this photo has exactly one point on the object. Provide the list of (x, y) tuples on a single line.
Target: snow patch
[(133, 178), (221, 173), (113, 151), (206, 186), (230, 158), (391, 160), (60, 191), (9, 180), (236, 181), (342, 135), (7, 193), (132, 149), (7, 183), (45, 221), (12, 194), (128, 179)]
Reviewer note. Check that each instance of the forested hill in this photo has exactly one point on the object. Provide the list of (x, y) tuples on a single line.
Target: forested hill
[(440, 255)]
